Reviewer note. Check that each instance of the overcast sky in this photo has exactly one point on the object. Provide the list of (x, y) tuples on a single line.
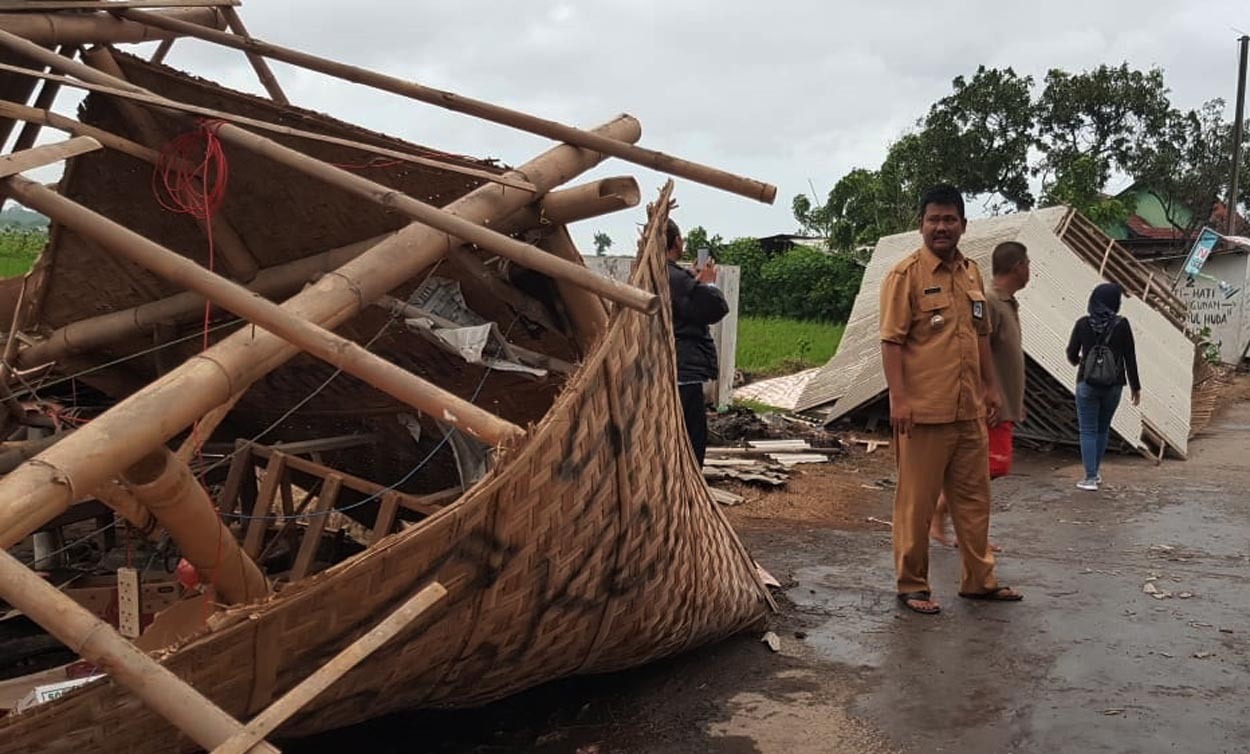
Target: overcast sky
[(786, 92)]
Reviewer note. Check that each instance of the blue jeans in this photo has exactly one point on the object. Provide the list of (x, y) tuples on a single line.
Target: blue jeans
[(1094, 408)]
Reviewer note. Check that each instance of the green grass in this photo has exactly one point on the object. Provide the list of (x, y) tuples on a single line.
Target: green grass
[(19, 248), (775, 345)]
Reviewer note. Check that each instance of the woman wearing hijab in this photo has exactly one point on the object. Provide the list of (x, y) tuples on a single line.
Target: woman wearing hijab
[(1102, 349)]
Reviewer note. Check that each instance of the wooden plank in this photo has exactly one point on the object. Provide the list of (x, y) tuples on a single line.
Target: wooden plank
[(316, 525), (386, 517), (37, 157), (239, 465), (256, 527), (725, 335), (7, 6), (325, 676)]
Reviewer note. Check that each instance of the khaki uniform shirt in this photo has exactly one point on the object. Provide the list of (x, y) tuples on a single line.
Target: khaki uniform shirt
[(937, 312), (1008, 351)]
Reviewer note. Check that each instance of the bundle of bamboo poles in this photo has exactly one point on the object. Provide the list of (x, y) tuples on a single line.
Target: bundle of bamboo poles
[(124, 448)]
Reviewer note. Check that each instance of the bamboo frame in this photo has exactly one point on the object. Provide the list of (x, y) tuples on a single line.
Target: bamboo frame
[(139, 95), (335, 349), (271, 282), (101, 28), (43, 101), (259, 64), (750, 188), (37, 492)]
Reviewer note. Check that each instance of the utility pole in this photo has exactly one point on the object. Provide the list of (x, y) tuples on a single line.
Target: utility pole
[(1238, 127)]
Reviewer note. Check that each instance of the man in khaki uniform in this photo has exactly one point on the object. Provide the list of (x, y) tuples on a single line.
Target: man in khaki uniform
[(935, 349), (1010, 265)]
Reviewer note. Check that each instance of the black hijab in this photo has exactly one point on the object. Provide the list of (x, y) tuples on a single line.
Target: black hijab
[(1104, 306)]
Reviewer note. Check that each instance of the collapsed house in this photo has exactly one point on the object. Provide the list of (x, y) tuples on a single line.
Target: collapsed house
[(1069, 256), (404, 448)]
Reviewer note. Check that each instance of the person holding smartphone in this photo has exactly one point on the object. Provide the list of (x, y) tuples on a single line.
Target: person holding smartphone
[(697, 305)]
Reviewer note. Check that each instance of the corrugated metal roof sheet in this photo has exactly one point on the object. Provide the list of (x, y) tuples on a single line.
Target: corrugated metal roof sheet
[(1055, 299)]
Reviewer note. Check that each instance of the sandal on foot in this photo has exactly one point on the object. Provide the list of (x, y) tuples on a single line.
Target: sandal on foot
[(909, 598), (999, 594)]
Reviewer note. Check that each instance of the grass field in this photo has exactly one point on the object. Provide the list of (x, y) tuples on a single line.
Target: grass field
[(774, 346), (18, 250)]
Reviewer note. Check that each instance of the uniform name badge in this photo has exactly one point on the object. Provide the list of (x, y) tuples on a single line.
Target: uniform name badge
[(978, 310)]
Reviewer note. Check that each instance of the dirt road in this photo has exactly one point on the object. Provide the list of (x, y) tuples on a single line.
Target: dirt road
[(1089, 662)]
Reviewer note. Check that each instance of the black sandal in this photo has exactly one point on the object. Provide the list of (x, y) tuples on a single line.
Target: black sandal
[(907, 598), (994, 595)]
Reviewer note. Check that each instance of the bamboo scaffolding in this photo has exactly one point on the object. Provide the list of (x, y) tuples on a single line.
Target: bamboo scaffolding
[(98, 642), (750, 188), (299, 697), (40, 490), (164, 485), (101, 28), (337, 350), (18, 162), (69, 125), (272, 282), (263, 72), (135, 94)]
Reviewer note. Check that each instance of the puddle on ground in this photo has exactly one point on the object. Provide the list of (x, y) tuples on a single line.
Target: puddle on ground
[(855, 615)]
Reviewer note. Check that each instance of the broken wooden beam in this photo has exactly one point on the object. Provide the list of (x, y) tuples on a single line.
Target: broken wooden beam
[(748, 187), (297, 698), (318, 341)]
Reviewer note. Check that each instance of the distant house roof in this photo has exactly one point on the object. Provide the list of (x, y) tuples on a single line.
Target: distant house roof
[(785, 241)]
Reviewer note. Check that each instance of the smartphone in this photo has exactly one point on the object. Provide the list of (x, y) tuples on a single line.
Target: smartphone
[(703, 255)]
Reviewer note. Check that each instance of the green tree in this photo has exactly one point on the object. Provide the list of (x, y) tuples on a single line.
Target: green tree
[(603, 242), (1092, 124)]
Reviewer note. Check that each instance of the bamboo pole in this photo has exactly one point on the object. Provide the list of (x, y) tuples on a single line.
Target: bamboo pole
[(337, 350), (279, 280), (299, 697), (162, 52), (107, 329), (238, 258), (13, 409), (521, 253), (121, 500), (259, 64), (164, 485), (750, 188), (101, 28), (140, 95), (51, 119), (43, 101), (587, 313), (99, 643), (38, 491)]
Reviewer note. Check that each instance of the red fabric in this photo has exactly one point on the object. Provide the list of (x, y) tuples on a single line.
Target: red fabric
[(1000, 449)]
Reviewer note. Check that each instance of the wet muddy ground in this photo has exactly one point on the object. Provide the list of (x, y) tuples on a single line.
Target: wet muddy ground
[(1089, 662)]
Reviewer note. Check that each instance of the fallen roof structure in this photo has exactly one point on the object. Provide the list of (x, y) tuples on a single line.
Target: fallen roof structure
[(1066, 265), (413, 451)]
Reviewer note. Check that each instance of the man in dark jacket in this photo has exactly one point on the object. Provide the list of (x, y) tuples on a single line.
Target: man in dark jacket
[(697, 304)]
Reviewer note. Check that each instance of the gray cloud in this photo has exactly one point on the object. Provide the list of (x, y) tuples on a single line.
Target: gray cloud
[(786, 92)]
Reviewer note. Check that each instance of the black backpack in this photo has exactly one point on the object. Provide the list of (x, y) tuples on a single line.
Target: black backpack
[(1101, 366)]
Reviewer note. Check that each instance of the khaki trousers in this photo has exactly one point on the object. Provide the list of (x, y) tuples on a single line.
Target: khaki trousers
[(954, 458)]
